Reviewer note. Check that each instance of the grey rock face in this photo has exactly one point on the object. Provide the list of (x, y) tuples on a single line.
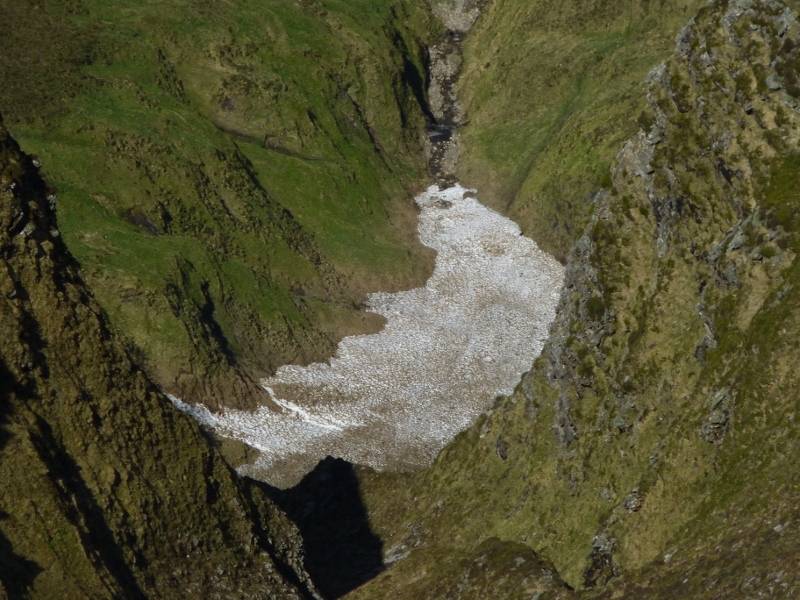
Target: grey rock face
[(458, 15), (717, 422)]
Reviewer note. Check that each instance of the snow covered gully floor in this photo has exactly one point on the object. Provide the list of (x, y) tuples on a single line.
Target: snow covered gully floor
[(393, 399)]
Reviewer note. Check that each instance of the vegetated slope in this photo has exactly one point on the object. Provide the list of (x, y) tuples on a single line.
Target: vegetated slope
[(652, 450), (232, 177), (551, 89), (107, 490)]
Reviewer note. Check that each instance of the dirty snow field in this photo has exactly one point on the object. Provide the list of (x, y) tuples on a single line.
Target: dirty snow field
[(393, 399)]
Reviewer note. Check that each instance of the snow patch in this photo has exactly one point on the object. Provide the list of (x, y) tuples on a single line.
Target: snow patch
[(393, 399)]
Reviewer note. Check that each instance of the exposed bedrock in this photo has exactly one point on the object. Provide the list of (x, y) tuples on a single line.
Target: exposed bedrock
[(445, 63)]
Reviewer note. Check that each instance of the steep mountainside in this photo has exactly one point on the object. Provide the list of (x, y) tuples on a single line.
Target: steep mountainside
[(107, 491), (233, 177), (651, 452), (551, 90)]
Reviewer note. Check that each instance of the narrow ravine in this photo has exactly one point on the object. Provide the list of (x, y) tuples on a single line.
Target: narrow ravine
[(457, 17), (392, 400)]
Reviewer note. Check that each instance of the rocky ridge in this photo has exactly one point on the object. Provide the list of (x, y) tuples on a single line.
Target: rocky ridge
[(108, 491), (445, 63), (649, 451)]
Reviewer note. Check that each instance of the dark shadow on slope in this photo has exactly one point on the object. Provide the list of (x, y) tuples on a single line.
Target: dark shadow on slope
[(341, 551), (16, 572), (416, 81), (80, 507)]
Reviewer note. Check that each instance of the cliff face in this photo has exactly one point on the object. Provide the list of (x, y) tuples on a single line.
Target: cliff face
[(650, 451), (107, 491), (233, 178)]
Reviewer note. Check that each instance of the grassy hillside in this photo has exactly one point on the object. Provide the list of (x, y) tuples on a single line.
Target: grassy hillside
[(551, 90), (651, 450), (232, 177), (107, 490)]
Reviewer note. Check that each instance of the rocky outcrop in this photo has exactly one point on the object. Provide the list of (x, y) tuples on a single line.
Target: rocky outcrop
[(458, 15), (493, 569), (107, 490), (445, 62)]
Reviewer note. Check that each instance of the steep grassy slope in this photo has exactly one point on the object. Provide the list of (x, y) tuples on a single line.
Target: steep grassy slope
[(651, 452), (232, 177), (551, 90), (107, 491)]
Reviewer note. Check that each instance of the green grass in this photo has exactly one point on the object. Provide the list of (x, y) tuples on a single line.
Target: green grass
[(782, 195), (242, 133), (548, 113)]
